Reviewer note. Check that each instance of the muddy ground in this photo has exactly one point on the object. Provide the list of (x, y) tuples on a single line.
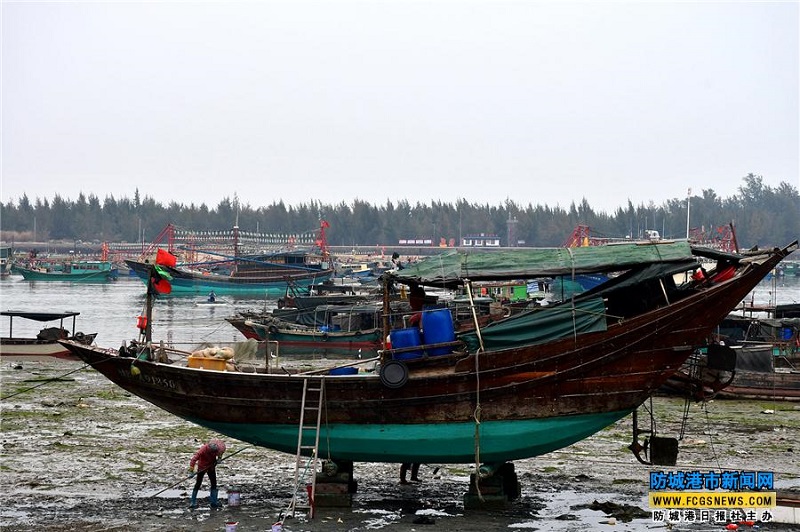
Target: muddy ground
[(78, 453)]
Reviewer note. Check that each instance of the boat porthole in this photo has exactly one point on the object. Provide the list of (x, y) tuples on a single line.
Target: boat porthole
[(394, 374)]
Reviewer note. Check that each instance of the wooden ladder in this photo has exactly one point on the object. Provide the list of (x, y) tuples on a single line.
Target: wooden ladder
[(311, 406)]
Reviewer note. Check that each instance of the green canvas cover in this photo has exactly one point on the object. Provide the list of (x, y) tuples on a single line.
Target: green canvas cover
[(450, 269), (541, 325)]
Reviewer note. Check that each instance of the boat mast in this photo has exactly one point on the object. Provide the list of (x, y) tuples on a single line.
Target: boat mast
[(148, 310), (236, 230), (688, 198)]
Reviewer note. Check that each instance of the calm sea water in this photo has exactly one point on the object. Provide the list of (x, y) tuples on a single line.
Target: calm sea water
[(111, 309)]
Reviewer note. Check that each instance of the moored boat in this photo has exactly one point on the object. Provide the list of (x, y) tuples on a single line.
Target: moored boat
[(323, 343), (265, 275), (327, 330), (45, 343), (346, 331), (526, 385), (72, 271)]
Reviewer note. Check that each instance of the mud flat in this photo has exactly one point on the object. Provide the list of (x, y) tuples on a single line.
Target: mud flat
[(79, 453)]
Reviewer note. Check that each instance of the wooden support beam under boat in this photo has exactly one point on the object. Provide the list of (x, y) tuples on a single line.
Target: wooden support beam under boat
[(335, 485), (492, 487)]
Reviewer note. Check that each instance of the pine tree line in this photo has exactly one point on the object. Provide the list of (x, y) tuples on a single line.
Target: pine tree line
[(763, 216)]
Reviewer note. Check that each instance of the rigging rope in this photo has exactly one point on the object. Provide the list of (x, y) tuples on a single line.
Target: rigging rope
[(477, 413), (47, 381), (710, 436)]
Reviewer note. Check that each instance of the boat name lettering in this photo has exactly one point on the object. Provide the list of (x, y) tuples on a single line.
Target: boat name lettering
[(161, 382)]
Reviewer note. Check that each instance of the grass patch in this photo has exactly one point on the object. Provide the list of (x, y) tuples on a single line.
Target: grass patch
[(136, 467)]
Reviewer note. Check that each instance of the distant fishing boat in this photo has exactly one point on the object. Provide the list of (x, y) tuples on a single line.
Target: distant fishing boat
[(266, 274), (73, 271), (234, 262)]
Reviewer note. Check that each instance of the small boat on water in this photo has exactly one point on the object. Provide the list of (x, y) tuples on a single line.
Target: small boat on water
[(45, 343), (74, 271), (211, 301), (519, 387), (217, 303)]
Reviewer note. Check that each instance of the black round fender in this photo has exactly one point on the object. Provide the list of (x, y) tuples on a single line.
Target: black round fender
[(394, 374), (80, 337)]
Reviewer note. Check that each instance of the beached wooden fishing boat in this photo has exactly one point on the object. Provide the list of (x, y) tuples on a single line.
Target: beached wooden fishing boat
[(526, 385), (96, 271), (752, 358), (762, 372), (45, 343)]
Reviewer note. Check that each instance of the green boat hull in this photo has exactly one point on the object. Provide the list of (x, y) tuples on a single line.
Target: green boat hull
[(98, 276), (192, 284), (428, 443)]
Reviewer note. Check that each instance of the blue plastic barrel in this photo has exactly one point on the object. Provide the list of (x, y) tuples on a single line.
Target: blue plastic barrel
[(437, 326), (786, 333), (344, 371), (408, 337)]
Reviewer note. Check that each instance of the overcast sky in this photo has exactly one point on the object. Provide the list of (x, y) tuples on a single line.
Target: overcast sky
[(537, 102)]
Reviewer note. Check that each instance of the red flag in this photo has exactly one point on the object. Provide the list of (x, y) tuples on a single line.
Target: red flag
[(160, 280), (165, 258), (162, 287)]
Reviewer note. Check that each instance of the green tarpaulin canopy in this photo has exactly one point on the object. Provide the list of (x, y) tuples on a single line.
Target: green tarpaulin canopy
[(541, 325), (450, 269)]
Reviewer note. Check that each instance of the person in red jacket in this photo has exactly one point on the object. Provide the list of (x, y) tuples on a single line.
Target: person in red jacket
[(205, 461)]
